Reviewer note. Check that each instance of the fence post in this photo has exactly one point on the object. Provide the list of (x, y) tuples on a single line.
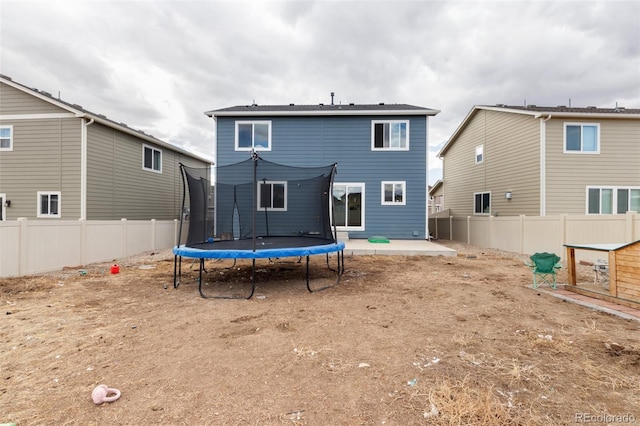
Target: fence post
[(23, 250), (489, 226), (124, 237), (153, 234), (83, 241), (435, 226), (628, 233), (521, 234), (563, 229)]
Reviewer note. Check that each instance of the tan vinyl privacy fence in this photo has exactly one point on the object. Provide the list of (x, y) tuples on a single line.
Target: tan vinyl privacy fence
[(35, 246), (531, 234)]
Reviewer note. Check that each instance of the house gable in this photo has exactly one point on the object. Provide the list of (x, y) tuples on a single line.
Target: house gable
[(16, 102), (525, 154), (81, 163)]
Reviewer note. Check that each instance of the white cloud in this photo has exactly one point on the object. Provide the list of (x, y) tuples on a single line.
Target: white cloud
[(158, 66)]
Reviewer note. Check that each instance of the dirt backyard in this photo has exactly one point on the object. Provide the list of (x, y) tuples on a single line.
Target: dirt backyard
[(399, 341)]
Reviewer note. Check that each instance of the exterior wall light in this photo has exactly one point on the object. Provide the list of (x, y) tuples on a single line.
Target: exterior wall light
[(507, 195)]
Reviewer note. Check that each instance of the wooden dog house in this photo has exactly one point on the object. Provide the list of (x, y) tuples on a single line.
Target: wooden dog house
[(624, 271)]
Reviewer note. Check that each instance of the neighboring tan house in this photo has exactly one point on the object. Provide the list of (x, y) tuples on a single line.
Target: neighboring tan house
[(60, 161), (537, 161), (436, 199), (381, 151)]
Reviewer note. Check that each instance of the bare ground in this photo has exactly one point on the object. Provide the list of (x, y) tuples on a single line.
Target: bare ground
[(400, 341)]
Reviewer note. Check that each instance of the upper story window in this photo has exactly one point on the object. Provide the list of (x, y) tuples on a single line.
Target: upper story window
[(582, 137), (48, 204), (253, 135), (272, 196), (394, 193), (612, 200), (390, 135), (482, 203), (6, 138), (479, 154), (151, 159)]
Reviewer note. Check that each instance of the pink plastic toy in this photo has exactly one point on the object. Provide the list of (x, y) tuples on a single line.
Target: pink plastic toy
[(100, 394)]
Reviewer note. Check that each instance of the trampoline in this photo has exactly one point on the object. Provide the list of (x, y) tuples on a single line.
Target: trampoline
[(263, 210)]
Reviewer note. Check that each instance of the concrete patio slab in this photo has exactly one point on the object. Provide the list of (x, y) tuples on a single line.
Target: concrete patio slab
[(397, 247)]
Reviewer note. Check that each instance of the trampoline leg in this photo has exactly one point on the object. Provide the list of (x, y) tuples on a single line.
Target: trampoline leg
[(308, 287), (340, 268), (339, 271), (253, 278), (177, 273), (200, 278), (253, 282)]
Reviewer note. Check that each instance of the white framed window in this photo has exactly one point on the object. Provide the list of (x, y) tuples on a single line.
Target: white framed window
[(348, 206), (253, 135), (49, 204), (3, 207), (6, 138), (393, 193), (479, 154), (582, 138), (612, 199), (151, 159), (390, 135), (482, 203), (272, 196)]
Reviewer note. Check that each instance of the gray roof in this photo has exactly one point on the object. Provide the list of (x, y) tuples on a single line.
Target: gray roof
[(323, 109), (566, 109)]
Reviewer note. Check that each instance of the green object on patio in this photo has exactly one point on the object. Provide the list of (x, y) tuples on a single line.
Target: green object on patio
[(378, 239)]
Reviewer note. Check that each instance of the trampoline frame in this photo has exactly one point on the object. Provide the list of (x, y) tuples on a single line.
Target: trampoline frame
[(221, 250)]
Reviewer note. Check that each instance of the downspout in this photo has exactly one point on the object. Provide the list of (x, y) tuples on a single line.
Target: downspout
[(426, 181), (83, 168), (543, 162), (214, 176)]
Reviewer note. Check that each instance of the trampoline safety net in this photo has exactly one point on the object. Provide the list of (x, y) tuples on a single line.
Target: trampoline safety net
[(256, 198)]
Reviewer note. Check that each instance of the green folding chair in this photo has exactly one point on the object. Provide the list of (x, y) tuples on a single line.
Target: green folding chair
[(544, 266)]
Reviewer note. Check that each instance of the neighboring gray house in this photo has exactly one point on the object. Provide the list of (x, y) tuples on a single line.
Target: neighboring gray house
[(537, 161), (60, 161), (381, 152)]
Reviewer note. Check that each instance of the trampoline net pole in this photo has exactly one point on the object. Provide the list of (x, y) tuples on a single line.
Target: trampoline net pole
[(255, 195)]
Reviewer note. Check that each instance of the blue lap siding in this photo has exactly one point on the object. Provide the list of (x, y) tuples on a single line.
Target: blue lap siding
[(317, 140)]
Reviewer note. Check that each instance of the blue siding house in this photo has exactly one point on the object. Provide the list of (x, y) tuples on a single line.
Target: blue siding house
[(380, 188)]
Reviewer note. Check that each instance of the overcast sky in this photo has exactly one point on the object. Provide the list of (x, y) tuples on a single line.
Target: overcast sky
[(158, 65)]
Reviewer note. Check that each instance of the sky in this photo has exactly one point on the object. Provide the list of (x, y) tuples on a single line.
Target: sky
[(159, 65)]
